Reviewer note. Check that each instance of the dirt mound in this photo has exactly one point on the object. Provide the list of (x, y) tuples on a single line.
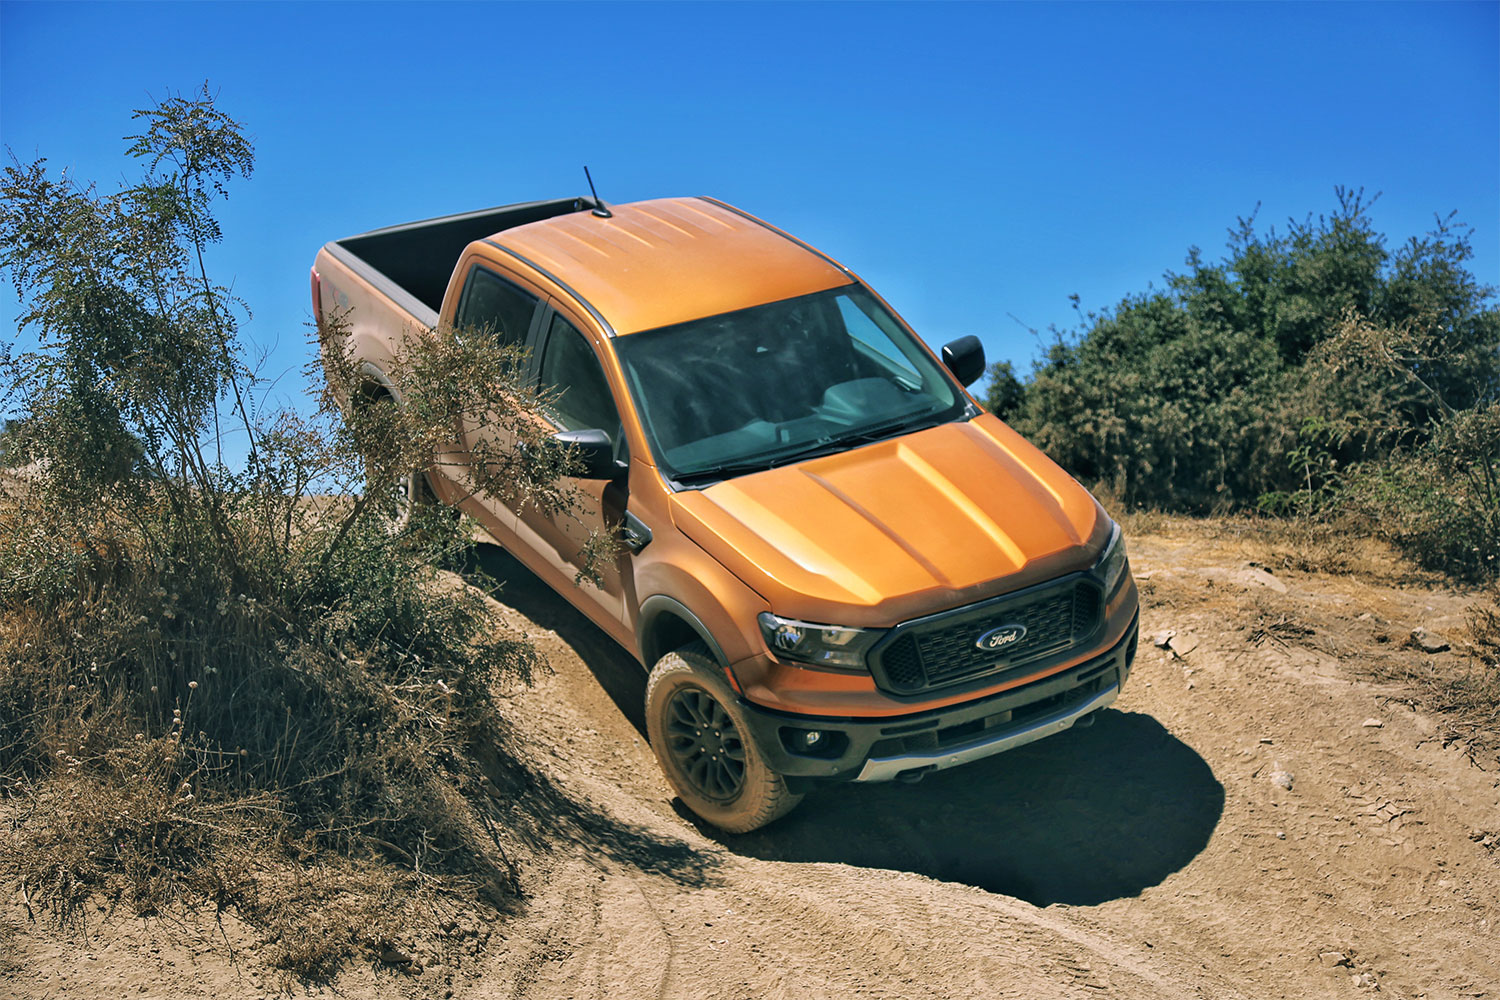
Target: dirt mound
[(1255, 818)]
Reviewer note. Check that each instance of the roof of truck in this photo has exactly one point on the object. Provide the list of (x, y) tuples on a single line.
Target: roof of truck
[(656, 263)]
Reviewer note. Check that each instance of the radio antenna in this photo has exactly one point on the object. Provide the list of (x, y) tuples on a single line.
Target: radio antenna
[(600, 208)]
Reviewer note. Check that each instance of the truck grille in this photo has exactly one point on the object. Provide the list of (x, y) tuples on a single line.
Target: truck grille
[(938, 650)]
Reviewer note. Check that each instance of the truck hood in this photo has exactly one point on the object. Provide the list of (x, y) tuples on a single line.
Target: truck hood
[(900, 528)]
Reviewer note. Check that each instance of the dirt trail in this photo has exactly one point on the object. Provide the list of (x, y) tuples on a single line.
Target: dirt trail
[(1157, 853)]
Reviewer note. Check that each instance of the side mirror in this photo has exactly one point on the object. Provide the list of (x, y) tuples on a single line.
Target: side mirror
[(965, 359), (595, 451)]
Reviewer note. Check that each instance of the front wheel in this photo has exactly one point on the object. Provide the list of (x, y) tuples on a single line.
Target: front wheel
[(698, 733)]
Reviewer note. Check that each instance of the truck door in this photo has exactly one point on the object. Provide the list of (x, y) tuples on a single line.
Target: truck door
[(494, 306), (568, 368)]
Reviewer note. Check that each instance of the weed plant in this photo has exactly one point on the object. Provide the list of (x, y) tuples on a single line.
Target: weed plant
[(237, 683)]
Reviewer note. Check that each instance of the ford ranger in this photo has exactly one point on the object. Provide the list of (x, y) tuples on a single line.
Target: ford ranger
[(834, 565)]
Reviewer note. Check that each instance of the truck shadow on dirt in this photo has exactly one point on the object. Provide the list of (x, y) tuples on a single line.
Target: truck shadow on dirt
[(532, 808), (617, 672), (1081, 818)]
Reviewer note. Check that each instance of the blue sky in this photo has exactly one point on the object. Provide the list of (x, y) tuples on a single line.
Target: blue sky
[(976, 163)]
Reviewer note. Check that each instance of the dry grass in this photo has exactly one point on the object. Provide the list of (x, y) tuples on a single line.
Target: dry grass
[(171, 741), (10, 962), (1302, 546), (1279, 628), (1465, 689), (336, 773), (1460, 687), (208, 680)]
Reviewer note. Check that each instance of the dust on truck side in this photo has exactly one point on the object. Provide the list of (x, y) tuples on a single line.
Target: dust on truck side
[(838, 567)]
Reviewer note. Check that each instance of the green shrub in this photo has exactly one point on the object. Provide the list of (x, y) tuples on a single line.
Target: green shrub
[(1440, 502), (1311, 373), (1224, 385)]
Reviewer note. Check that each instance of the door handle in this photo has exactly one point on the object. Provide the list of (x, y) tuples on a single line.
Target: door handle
[(634, 533)]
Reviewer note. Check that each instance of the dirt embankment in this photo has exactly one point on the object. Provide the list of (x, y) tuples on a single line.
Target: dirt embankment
[(1255, 818)]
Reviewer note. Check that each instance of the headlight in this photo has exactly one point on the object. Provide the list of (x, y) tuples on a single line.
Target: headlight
[(832, 646), (1112, 565)]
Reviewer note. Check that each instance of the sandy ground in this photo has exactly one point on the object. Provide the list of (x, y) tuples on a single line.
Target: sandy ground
[(1158, 853)]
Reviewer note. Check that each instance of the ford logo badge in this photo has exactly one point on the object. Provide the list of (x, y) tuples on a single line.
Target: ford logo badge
[(999, 638)]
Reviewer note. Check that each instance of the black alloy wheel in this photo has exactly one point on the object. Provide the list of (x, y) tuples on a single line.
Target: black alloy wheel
[(703, 740)]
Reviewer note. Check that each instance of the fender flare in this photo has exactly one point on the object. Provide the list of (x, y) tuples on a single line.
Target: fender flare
[(372, 371), (653, 608)]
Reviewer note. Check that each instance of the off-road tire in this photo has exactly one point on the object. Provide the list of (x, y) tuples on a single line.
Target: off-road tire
[(686, 684)]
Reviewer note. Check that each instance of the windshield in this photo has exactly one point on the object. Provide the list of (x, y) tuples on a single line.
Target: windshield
[(750, 389)]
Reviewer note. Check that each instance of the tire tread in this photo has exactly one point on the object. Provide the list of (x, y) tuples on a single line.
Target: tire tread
[(766, 797)]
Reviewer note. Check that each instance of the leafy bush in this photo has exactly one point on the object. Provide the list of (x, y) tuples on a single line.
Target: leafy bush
[(1439, 502), (212, 669), (1312, 373)]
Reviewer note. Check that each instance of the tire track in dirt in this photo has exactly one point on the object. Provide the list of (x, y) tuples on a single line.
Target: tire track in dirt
[(616, 946), (770, 928), (1154, 855), (1362, 868), (815, 930), (1321, 891)]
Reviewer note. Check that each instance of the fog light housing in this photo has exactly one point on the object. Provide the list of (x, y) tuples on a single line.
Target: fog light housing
[(822, 743)]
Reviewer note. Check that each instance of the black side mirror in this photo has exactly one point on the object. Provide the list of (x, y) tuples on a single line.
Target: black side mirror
[(965, 359), (595, 451)]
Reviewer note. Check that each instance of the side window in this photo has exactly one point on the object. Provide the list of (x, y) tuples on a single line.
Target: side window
[(493, 304), (867, 331), (570, 369)]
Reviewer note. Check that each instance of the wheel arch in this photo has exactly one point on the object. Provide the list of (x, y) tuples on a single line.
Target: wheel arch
[(374, 383), (666, 624)]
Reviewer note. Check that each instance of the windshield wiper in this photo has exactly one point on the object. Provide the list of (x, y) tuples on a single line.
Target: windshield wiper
[(816, 449), (906, 425), (823, 446)]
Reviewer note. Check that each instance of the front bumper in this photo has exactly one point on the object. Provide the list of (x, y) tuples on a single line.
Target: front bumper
[(908, 746)]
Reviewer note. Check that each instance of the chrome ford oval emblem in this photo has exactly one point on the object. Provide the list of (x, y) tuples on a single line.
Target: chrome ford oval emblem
[(999, 638)]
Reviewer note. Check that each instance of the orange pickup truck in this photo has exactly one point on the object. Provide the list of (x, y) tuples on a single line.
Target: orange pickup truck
[(835, 565)]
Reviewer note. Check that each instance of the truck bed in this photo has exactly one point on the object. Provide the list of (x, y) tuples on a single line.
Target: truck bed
[(412, 262)]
